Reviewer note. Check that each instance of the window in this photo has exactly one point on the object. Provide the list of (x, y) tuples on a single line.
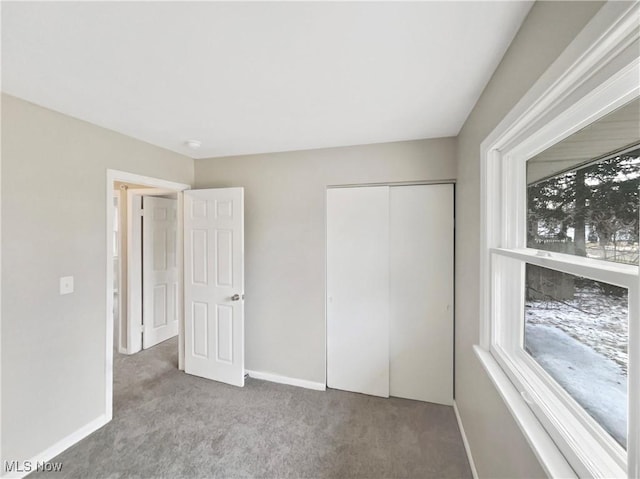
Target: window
[(561, 212), (564, 286)]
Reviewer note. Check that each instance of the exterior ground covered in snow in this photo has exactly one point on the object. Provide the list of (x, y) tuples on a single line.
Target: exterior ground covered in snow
[(582, 344)]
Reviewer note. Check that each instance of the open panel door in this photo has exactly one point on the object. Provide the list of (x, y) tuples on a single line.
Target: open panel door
[(160, 272), (214, 284)]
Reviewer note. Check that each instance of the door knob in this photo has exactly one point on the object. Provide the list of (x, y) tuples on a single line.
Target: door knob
[(235, 297)]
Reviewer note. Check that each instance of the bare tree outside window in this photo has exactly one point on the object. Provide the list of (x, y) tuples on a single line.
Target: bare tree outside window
[(590, 211)]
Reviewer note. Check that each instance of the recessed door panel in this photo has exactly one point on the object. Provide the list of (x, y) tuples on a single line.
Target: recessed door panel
[(199, 257), (224, 319), (224, 255), (224, 209), (198, 209), (159, 248), (200, 336), (159, 305)]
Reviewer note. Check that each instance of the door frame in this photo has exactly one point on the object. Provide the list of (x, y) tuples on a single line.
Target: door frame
[(134, 264), (126, 177), (118, 239)]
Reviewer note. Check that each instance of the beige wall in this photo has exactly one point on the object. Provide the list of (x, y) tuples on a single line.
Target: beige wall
[(498, 447), (285, 237), (53, 225)]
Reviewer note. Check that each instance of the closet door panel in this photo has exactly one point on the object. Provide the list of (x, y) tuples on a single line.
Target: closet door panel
[(421, 292), (358, 290)]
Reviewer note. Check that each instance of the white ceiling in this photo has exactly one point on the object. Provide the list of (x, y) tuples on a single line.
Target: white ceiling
[(258, 77)]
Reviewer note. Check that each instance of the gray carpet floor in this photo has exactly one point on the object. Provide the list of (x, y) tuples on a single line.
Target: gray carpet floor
[(168, 424)]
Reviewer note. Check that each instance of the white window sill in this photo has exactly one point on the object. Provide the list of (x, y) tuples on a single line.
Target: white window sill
[(550, 457)]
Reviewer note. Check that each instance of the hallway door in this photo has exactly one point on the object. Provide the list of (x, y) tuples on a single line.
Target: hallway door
[(160, 273)]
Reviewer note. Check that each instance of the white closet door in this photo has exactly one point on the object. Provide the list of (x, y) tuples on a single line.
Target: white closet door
[(421, 292), (358, 290)]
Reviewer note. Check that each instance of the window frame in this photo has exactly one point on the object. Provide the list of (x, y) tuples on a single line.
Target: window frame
[(598, 73)]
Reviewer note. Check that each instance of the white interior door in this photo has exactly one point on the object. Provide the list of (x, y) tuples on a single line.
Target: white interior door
[(160, 274), (214, 284), (358, 290), (421, 292)]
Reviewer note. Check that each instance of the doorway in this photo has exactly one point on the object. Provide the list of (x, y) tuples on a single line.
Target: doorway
[(210, 233), (122, 286)]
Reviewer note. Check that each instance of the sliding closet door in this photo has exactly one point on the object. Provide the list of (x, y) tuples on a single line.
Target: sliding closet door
[(358, 290), (421, 293)]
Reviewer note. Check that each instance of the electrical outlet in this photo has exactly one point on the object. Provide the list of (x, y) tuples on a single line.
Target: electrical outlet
[(66, 285)]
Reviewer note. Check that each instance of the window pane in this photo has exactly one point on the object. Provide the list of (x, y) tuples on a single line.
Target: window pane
[(577, 330), (582, 193)]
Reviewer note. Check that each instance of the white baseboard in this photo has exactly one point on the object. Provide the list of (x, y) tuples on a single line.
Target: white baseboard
[(474, 472), (275, 378), (57, 448)]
